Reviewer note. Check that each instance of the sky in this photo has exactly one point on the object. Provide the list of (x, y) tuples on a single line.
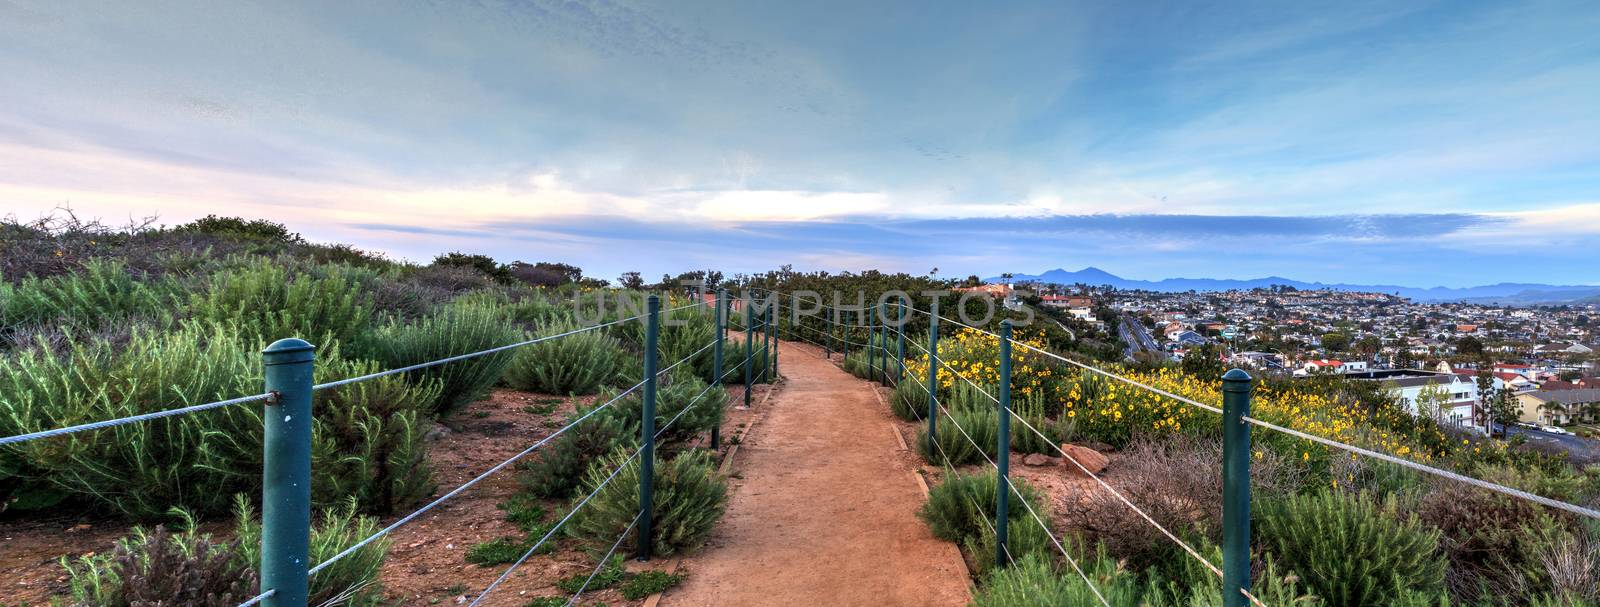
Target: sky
[(1416, 143)]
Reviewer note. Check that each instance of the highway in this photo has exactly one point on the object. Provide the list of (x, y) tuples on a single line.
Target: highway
[(1137, 338)]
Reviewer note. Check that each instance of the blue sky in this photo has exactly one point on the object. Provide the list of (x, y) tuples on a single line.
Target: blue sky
[(1451, 143)]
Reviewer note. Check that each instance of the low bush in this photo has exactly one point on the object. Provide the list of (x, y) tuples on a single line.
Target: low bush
[(690, 496), (158, 567), (961, 510), (684, 398), (735, 360), (101, 293), (684, 336), (367, 444), (189, 568), (458, 328), (608, 575), (560, 466), (1035, 582), (580, 363), (352, 580), (1353, 549), (909, 400), (964, 436), (1026, 437), (366, 437), (1193, 584), (262, 295), (498, 551), (1493, 541)]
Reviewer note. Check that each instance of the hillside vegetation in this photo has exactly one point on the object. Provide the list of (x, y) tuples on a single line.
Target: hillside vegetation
[(98, 323)]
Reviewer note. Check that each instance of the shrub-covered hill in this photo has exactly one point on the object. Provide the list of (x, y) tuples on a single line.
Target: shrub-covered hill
[(99, 323)]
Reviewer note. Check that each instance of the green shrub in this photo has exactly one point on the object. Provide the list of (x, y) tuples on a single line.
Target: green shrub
[(962, 508), (1195, 585), (461, 327), (1055, 431), (581, 363), (101, 293), (560, 465), (1034, 582), (690, 496), (735, 359), (964, 436), (533, 311), (683, 334), (1493, 541), (368, 440), (1352, 549), (320, 305), (352, 580), (239, 227), (909, 400), (683, 391), (366, 437), (155, 567)]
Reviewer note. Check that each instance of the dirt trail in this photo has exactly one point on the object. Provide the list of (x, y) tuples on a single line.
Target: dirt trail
[(823, 508)]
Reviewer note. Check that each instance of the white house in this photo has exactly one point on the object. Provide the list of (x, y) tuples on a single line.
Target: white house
[(1448, 397)]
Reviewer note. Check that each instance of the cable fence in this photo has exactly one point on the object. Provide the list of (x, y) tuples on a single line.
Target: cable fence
[(285, 571), (841, 334), (868, 341)]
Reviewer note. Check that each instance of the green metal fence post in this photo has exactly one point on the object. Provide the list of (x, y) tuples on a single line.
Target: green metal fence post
[(827, 337), (286, 473), (716, 362), (647, 427), (1002, 452), (844, 336), (766, 345), (880, 351), (870, 351), (777, 327), (749, 345), (933, 373), (900, 346), (1236, 386)]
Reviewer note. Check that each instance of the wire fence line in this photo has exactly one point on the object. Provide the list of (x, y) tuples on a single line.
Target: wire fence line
[(1009, 486), (604, 560), (266, 396), (548, 534), (464, 486), (578, 506), (143, 417), (1101, 482)]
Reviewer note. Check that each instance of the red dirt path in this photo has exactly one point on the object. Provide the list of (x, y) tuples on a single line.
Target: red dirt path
[(823, 510)]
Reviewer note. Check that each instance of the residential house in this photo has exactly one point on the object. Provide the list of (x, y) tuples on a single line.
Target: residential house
[(1455, 403), (1559, 406), (1326, 365)]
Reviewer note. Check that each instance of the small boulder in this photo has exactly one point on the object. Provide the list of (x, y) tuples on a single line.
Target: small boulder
[(437, 432), (1089, 458), (1036, 459), (1098, 446)]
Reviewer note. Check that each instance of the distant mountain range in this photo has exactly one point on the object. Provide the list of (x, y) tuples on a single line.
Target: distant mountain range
[(1505, 292)]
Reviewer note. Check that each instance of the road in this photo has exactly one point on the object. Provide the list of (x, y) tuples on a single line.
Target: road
[(1137, 338), (1578, 448)]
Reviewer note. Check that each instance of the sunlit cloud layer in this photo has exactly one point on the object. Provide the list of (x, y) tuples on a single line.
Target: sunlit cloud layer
[(1431, 143)]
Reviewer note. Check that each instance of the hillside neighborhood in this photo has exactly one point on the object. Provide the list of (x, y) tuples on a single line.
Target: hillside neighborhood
[(1453, 361)]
